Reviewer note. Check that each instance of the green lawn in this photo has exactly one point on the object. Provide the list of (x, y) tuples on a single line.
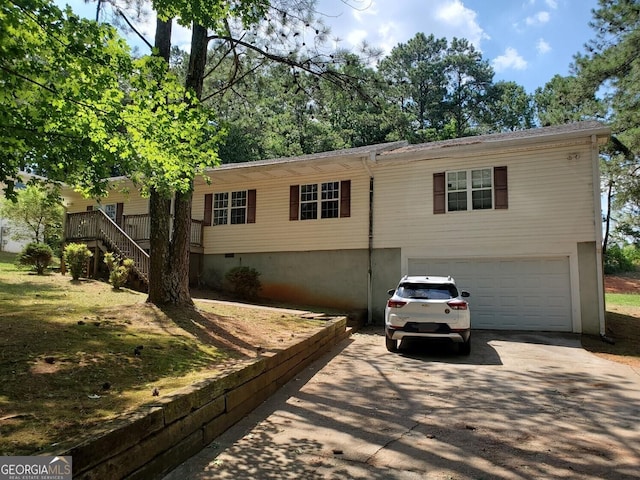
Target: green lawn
[(74, 354), (623, 299)]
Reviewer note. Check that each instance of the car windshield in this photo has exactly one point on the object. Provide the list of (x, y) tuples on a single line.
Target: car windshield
[(427, 291)]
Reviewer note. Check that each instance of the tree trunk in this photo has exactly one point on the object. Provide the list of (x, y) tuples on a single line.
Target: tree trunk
[(159, 206), (169, 275), (605, 242), (197, 60), (159, 214), (177, 269), (163, 39)]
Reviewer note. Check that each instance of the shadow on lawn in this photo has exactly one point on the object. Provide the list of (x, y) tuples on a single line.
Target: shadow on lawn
[(624, 330), (62, 376)]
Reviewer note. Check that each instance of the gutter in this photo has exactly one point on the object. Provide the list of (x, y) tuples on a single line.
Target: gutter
[(595, 159), (372, 158)]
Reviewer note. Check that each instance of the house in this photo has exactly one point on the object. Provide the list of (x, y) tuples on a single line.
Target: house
[(514, 217)]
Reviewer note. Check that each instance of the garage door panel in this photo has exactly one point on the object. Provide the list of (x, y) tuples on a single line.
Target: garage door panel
[(514, 294)]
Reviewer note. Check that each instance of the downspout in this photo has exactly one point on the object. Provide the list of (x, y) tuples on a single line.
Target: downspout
[(595, 159), (372, 158)]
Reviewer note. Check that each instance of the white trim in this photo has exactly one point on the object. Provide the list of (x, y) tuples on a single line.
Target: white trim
[(574, 279), (595, 159)]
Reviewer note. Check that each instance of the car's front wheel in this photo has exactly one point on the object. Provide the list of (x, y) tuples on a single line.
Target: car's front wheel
[(392, 345)]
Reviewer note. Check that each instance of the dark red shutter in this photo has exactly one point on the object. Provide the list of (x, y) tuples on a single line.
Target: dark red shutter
[(345, 198), (119, 212), (500, 191), (294, 199), (439, 193), (208, 209), (251, 206)]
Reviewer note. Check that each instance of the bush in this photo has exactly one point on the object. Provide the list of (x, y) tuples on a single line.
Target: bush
[(620, 259), (38, 255), (244, 281), (76, 256), (118, 271)]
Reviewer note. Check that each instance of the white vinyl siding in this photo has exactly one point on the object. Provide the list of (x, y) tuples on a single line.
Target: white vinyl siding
[(544, 215), (274, 232)]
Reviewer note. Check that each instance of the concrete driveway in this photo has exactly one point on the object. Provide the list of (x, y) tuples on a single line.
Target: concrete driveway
[(522, 406)]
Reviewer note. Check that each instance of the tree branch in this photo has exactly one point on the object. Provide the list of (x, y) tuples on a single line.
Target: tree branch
[(124, 17)]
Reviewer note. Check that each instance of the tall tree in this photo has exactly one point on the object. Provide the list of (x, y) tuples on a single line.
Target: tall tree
[(416, 73), (564, 100), (469, 79), (610, 68), (507, 107), (36, 214)]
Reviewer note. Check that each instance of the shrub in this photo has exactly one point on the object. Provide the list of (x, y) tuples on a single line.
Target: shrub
[(76, 256), (38, 255), (620, 259), (118, 271), (244, 281)]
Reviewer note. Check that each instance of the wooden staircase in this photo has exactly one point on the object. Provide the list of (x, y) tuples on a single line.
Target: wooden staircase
[(97, 226)]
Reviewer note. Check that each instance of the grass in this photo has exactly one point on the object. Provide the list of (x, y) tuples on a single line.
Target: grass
[(76, 354), (622, 328), (623, 299)]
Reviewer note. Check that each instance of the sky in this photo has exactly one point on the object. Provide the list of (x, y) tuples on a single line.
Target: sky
[(525, 41)]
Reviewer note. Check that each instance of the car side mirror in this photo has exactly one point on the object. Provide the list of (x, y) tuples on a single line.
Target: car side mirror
[(465, 294), (391, 292)]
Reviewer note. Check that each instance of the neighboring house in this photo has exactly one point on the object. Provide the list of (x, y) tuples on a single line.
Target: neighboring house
[(514, 217), (7, 243), (8, 229)]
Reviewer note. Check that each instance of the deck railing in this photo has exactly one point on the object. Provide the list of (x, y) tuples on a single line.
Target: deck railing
[(97, 225), (138, 227)]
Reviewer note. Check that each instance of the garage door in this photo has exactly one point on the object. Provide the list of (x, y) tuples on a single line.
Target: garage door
[(510, 294)]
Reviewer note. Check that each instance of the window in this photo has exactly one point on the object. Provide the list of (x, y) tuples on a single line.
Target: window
[(110, 210), (232, 208), (238, 207), (220, 208), (329, 199), (481, 189), (308, 202), (456, 191)]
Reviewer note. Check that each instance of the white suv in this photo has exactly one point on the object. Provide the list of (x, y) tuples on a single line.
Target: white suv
[(427, 307)]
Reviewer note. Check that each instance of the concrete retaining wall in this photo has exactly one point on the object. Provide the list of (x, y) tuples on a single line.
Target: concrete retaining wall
[(148, 444)]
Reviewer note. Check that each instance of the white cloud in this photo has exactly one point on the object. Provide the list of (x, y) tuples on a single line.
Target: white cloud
[(463, 22), (363, 8), (552, 4), (539, 18), (510, 59), (542, 46), (355, 37)]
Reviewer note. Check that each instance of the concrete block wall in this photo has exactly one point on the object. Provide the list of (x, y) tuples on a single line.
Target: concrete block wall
[(148, 444)]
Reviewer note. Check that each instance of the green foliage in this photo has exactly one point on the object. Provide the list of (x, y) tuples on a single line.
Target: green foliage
[(619, 259), (118, 271), (37, 255), (36, 213), (76, 256), (61, 94), (244, 281)]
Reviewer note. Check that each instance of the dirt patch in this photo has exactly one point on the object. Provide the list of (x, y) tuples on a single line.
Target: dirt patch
[(620, 284)]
